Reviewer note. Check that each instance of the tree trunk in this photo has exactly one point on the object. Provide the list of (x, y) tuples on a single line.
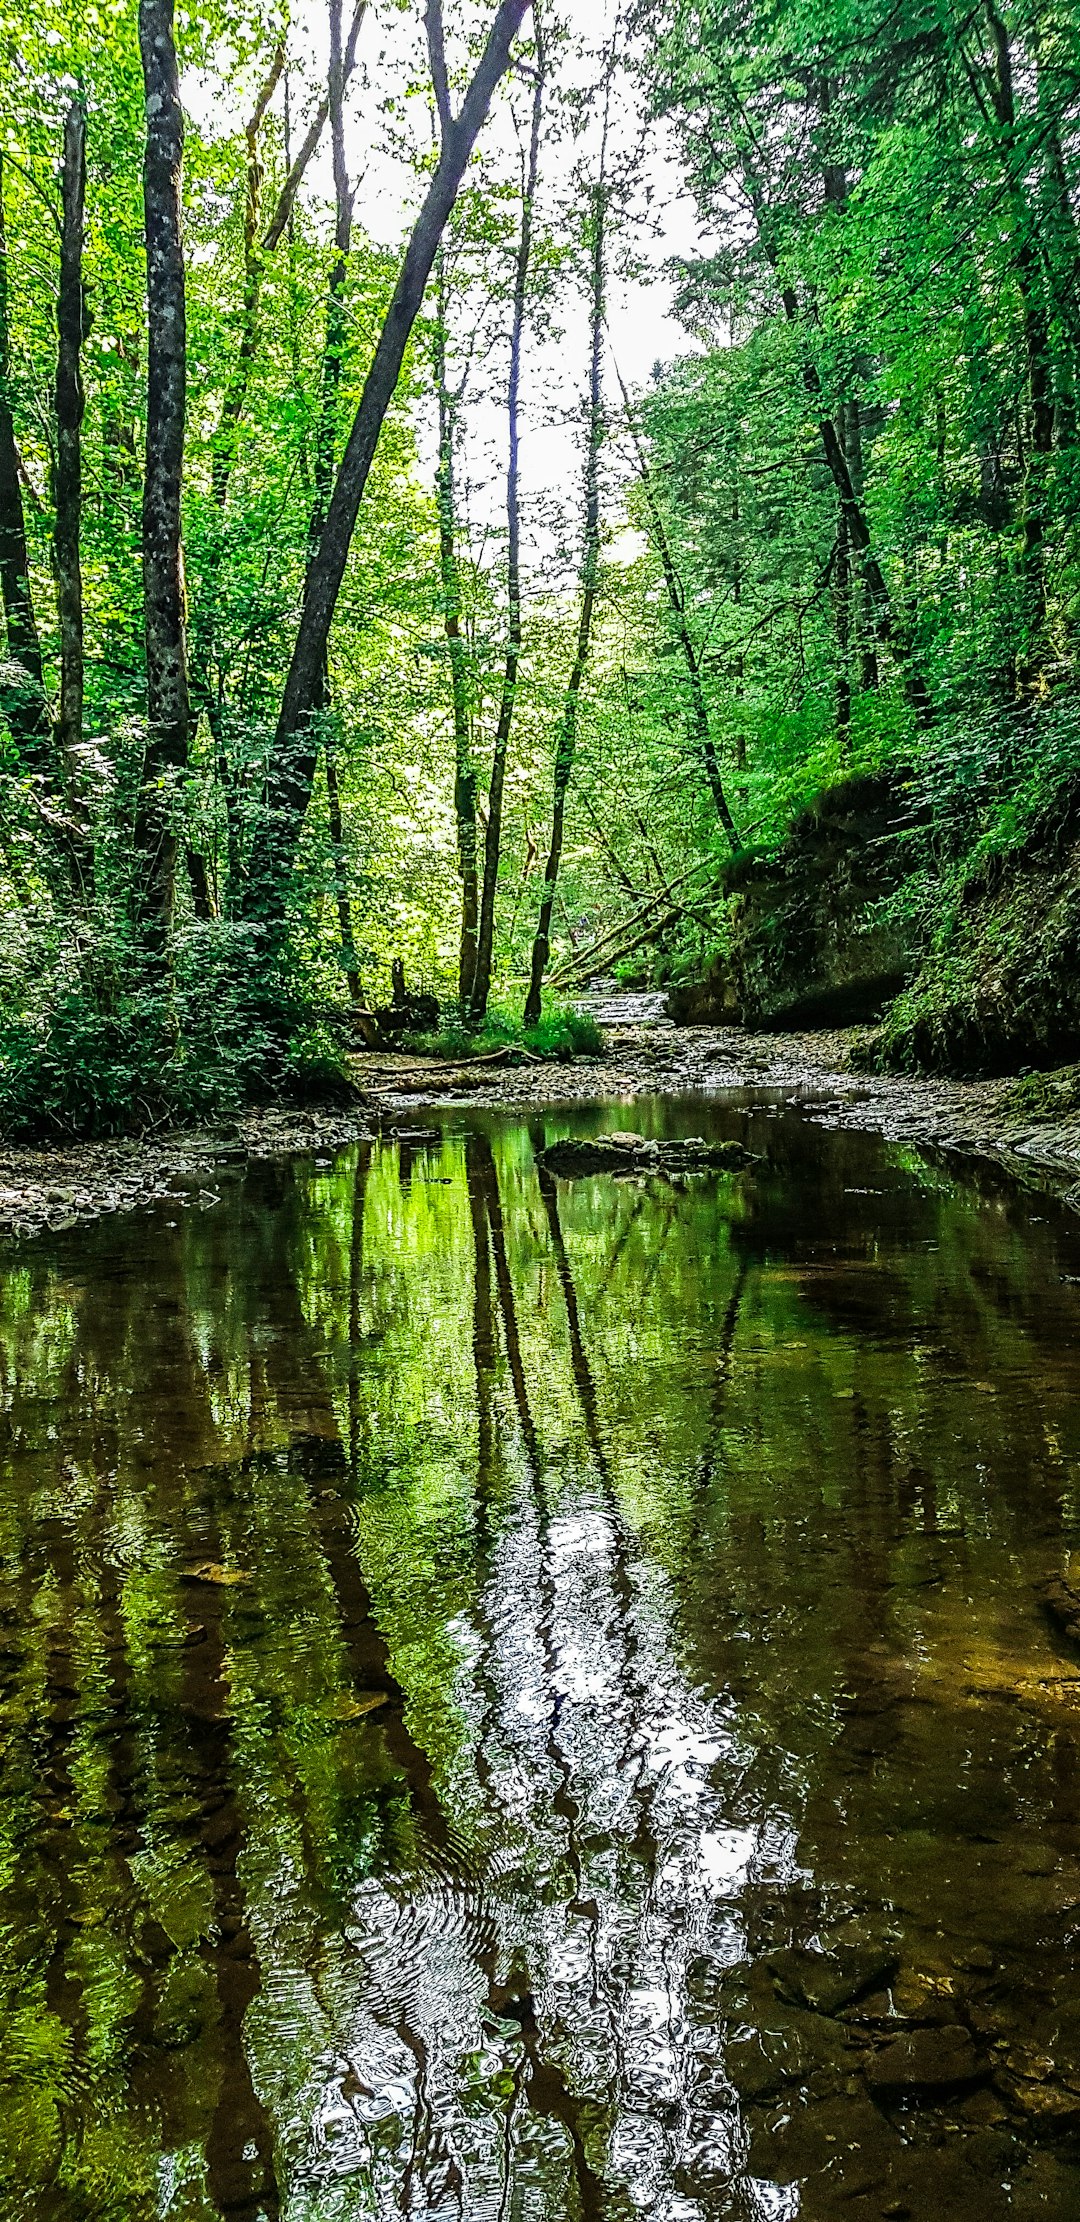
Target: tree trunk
[(1037, 349), (508, 696), (71, 329), (450, 578), (232, 407), (858, 529), (163, 584), (841, 582), (350, 963), (333, 365), (22, 695), (699, 710), (256, 250), (294, 757), (851, 429), (739, 664), (566, 744)]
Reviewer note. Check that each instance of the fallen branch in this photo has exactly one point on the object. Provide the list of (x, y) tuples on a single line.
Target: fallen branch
[(586, 960)]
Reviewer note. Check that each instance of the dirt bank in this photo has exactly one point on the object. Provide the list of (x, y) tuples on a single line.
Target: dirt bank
[(61, 1187)]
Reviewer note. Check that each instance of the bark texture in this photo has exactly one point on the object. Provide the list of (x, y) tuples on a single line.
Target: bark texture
[(163, 581)]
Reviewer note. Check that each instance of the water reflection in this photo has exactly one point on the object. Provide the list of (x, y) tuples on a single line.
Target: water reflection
[(526, 1700)]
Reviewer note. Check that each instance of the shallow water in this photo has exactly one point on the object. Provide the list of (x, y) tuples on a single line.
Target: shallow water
[(610, 1714)]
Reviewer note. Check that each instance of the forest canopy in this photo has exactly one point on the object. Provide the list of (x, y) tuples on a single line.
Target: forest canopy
[(362, 602)]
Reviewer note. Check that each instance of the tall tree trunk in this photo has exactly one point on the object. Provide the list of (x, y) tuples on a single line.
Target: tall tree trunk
[(226, 440), (256, 250), (23, 697), (835, 181), (508, 696), (566, 743), (292, 768), (232, 407), (450, 579), (1037, 350), (71, 328), (163, 581), (333, 365), (841, 586), (1064, 264), (851, 430), (699, 709), (739, 663)]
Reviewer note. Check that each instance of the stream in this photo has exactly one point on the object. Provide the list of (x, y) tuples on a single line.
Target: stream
[(526, 1700)]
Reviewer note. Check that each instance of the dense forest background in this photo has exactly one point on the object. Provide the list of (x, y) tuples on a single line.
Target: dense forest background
[(358, 603)]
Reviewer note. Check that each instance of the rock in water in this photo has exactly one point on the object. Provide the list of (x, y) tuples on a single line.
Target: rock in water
[(826, 1981), (1062, 1602), (622, 1153), (923, 2062)]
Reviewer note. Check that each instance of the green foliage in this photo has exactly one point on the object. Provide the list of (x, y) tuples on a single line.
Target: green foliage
[(561, 1033), (893, 260), (115, 1046)]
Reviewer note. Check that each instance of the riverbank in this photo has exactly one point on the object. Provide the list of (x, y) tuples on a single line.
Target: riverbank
[(66, 1185)]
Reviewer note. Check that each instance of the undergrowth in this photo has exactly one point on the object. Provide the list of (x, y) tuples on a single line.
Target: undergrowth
[(103, 1043), (561, 1033)]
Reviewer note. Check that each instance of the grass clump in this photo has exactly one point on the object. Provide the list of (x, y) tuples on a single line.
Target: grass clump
[(561, 1033)]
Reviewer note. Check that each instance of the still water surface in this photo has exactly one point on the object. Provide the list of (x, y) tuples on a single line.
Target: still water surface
[(527, 1701)]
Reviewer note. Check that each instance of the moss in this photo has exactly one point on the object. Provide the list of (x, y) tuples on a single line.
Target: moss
[(1044, 1095)]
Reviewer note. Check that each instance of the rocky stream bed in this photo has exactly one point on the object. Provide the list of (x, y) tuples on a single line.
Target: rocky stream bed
[(61, 1185)]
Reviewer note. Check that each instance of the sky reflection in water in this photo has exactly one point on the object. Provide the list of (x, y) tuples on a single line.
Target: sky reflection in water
[(463, 1637)]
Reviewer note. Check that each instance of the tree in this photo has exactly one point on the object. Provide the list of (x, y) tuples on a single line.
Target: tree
[(167, 703), (566, 737), (481, 988), (295, 746)]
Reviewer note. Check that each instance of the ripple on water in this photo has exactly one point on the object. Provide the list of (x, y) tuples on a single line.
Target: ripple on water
[(613, 1759)]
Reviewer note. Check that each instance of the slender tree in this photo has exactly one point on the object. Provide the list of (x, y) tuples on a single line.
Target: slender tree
[(566, 739), (23, 696), (334, 347), (168, 713), (294, 757), (691, 655), (508, 693), (449, 403), (70, 404)]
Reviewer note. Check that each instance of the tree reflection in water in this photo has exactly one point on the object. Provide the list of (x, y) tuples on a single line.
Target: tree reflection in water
[(459, 1632)]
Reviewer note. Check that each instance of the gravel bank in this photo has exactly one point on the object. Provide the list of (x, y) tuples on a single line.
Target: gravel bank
[(61, 1187)]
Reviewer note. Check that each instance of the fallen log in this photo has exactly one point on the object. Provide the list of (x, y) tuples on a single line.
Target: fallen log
[(456, 1072)]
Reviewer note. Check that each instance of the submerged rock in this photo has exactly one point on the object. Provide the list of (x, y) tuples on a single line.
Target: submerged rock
[(925, 2061), (1062, 1602), (632, 1153), (826, 1981), (215, 1576)]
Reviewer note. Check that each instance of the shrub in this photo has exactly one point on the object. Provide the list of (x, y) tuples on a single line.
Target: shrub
[(112, 1045), (562, 1032)]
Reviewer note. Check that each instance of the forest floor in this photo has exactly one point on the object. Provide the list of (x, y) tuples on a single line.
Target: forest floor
[(61, 1186)]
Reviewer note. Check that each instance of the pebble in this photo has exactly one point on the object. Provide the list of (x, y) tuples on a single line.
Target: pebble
[(59, 1189)]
